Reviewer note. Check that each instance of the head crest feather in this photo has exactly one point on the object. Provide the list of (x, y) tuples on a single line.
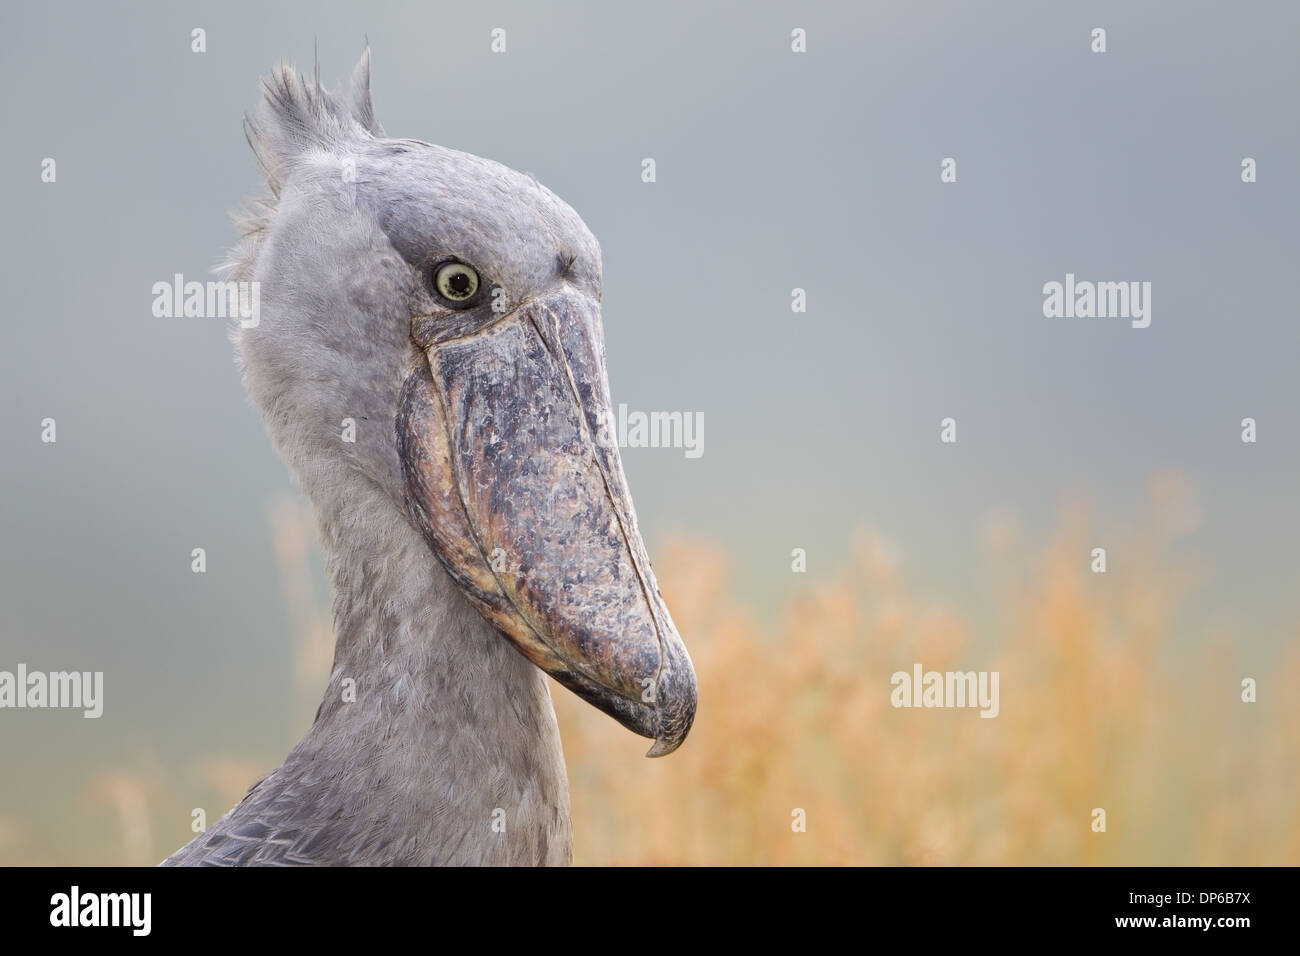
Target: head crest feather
[(298, 116)]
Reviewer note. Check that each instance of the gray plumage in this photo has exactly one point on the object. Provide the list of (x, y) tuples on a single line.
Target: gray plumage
[(450, 753)]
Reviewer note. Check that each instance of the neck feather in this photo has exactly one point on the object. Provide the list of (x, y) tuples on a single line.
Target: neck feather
[(436, 741)]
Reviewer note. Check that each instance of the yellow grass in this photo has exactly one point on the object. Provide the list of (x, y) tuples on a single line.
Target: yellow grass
[(1103, 705), (1106, 701)]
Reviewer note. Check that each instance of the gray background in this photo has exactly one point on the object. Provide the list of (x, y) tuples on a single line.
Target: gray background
[(775, 170)]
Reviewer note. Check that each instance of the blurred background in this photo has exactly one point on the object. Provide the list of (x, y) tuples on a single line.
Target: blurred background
[(775, 170)]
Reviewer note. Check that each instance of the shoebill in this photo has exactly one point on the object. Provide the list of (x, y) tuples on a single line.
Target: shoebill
[(477, 527)]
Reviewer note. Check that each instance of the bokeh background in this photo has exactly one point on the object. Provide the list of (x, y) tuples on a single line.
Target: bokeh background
[(775, 170)]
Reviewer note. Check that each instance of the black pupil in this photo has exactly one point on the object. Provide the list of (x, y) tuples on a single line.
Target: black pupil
[(459, 283)]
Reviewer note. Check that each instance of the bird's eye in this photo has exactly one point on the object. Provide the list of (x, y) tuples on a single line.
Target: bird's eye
[(456, 282)]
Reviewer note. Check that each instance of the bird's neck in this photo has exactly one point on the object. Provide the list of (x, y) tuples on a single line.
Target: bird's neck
[(436, 741)]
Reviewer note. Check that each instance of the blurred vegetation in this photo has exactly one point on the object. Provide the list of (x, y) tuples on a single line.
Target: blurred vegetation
[(1104, 702), (1103, 705)]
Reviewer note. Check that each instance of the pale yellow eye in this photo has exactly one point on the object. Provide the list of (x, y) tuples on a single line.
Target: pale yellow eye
[(456, 282)]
